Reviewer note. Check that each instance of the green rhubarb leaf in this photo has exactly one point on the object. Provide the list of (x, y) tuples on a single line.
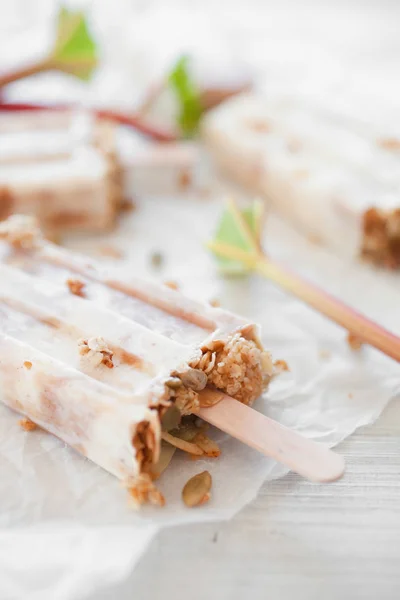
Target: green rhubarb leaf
[(188, 96), (238, 233), (74, 51)]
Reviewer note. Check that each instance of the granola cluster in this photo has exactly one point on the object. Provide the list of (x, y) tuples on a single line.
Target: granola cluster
[(96, 352), (20, 231), (143, 490), (144, 442), (381, 237), (236, 366)]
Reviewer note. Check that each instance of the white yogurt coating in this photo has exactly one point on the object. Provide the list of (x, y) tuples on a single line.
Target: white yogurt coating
[(317, 172)]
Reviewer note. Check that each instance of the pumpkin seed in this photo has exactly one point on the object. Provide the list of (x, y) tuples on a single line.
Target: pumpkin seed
[(196, 490), (186, 432), (174, 383), (194, 379), (181, 444), (171, 418), (166, 453), (209, 397)]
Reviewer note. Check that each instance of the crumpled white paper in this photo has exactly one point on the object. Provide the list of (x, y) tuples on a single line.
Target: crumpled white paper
[(66, 527)]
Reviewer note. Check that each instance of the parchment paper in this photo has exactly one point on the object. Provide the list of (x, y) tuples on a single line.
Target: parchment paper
[(66, 527)]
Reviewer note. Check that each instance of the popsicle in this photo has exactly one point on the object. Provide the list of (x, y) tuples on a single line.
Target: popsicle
[(98, 359), (337, 183), (71, 169), (60, 166)]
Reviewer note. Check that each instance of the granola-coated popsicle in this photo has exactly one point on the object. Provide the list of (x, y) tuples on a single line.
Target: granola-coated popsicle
[(338, 183), (60, 166), (98, 357)]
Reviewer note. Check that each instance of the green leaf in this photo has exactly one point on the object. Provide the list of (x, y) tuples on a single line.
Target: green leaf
[(238, 230), (74, 51), (185, 89)]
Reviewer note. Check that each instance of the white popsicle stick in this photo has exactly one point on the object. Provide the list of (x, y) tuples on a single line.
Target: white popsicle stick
[(303, 456)]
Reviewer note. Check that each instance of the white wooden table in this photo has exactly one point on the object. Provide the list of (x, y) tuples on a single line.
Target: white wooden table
[(296, 540)]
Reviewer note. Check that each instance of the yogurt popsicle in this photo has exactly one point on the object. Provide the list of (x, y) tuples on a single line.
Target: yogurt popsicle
[(337, 183), (60, 166), (98, 357)]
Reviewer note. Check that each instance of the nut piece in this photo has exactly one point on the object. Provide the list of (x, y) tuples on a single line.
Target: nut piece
[(76, 287), (166, 453), (96, 351), (174, 383), (215, 303), (280, 366), (196, 490), (27, 425), (354, 342), (209, 447), (28, 365), (193, 378), (181, 444)]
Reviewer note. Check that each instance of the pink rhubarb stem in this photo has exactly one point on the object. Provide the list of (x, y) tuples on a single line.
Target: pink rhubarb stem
[(129, 120), (331, 307)]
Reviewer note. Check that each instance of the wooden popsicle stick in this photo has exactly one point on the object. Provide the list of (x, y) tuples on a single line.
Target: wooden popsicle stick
[(306, 457), (331, 307)]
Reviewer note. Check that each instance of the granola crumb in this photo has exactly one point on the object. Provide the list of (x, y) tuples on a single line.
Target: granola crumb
[(184, 179), (143, 490), (281, 365), (96, 351), (381, 237), (28, 365), (27, 425), (144, 443), (156, 259), (20, 231), (392, 144), (209, 447), (215, 303), (354, 342), (76, 287), (172, 284), (127, 205)]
